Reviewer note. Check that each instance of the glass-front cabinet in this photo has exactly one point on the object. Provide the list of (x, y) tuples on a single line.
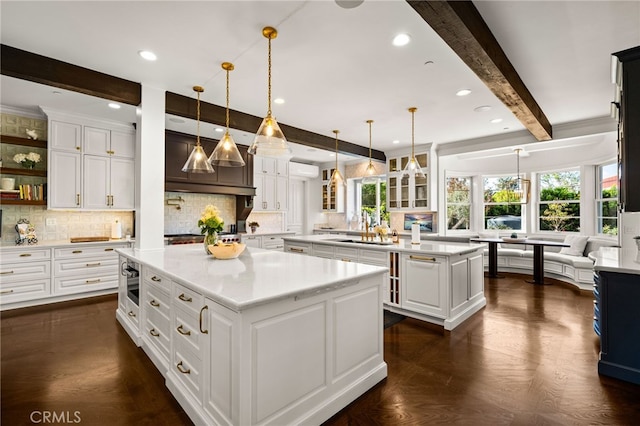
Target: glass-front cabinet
[(407, 192), (332, 199)]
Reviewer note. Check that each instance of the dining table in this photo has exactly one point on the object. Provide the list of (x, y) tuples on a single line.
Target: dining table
[(538, 255)]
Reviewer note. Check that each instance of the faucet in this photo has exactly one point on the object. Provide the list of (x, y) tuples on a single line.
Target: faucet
[(366, 236)]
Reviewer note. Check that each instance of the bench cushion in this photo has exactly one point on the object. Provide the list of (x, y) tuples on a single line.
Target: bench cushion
[(575, 261)]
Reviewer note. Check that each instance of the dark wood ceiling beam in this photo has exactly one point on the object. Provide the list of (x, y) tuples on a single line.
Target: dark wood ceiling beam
[(52, 72), (461, 26), (185, 106)]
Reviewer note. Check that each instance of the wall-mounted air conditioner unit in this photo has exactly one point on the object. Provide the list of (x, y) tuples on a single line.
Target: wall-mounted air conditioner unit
[(303, 170)]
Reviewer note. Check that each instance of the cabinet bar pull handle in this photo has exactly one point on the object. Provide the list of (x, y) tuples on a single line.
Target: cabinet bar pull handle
[(428, 259), (6, 272), (297, 250), (78, 197), (6, 291), (108, 249), (183, 331), (93, 264), (131, 314), (346, 260), (184, 298), (201, 311), (154, 333), (25, 254), (154, 303), (92, 281), (181, 368), (156, 279), (76, 251), (108, 201)]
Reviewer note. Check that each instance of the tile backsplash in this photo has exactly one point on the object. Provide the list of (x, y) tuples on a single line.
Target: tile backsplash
[(184, 220), (63, 224)]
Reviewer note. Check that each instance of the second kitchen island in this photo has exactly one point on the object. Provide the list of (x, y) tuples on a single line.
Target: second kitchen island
[(438, 282), (267, 338)]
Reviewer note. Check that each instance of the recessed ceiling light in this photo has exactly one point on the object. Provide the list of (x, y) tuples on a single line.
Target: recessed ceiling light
[(278, 101), (482, 108), (463, 92), (396, 142), (311, 149), (349, 4), (219, 129), (56, 92), (401, 39), (114, 105), (148, 55), (496, 120)]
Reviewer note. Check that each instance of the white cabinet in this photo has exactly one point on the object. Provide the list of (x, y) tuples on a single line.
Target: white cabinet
[(296, 202), (271, 179), (156, 317), (407, 193), (268, 242), (25, 275), (92, 164), (252, 241)]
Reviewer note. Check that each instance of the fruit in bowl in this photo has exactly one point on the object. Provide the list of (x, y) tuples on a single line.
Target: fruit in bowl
[(226, 251)]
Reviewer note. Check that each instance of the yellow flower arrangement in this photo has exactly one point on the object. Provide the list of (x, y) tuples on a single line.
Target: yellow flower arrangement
[(381, 231), (210, 221)]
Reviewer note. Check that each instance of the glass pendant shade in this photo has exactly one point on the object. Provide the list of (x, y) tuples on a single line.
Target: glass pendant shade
[(198, 161), (370, 171), (226, 153), (269, 140), (336, 177), (413, 167)]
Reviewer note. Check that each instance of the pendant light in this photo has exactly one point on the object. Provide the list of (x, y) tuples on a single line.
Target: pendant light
[(370, 172), (270, 141), (226, 153), (521, 193), (413, 167), (336, 176), (197, 161)]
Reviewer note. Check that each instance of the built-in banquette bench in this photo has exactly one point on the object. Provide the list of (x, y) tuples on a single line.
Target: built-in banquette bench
[(571, 268)]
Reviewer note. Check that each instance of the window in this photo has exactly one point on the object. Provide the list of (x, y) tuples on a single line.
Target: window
[(458, 203), (372, 198), (607, 199), (559, 202), (501, 207)]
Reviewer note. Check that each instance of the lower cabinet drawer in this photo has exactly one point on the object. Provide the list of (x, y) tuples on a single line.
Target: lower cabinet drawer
[(24, 290), (133, 312), (187, 299), (10, 273), (186, 330), (188, 369), (84, 283), (157, 332), (93, 266), (156, 301)]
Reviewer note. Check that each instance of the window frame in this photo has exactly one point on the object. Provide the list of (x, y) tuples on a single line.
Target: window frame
[(538, 202), (523, 209), (469, 204), (599, 218)]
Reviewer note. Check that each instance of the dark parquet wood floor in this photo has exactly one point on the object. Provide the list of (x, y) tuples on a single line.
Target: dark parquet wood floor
[(529, 358)]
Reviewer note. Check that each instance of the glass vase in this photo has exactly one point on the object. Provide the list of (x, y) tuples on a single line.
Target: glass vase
[(210, 239)]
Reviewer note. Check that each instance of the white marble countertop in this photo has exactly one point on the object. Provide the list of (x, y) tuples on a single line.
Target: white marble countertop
[(57, 243), (256, 277), (267, 233), (612, 259), (425, 247)]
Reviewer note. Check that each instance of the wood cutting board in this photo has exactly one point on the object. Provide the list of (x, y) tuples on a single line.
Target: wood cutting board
[(88, 239)]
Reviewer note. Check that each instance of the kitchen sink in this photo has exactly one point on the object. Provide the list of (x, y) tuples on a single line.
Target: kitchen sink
[(378, 243)]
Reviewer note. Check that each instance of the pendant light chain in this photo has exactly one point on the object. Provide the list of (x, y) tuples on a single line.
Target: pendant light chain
[(336, 132), (227, 117), (198, 118), (269, 81), (413, 111), (369, 121)]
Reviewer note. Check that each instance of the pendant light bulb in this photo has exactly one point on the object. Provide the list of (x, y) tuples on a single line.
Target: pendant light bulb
[(197, 161), (336, 177), (413, 167), (370, 171), (226, 152), (269, 140)]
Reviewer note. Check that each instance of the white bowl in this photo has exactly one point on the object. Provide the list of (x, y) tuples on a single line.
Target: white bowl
[(226, 251)]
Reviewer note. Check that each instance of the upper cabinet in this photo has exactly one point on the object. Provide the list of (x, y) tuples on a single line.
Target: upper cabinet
[(407, 193), (628, 82), (332, 196), (225, 180), (271, 179), (92, 163)]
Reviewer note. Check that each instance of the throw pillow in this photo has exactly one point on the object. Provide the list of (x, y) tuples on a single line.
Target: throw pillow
[(577, 245)]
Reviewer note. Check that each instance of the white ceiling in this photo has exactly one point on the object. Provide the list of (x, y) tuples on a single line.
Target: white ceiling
[(334, 67)]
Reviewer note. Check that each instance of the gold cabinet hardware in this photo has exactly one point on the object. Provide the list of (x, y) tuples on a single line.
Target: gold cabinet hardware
[(25, 254), (346, 260), (154, 333), (154, 303), (6, 272), (108, 249), (182, 331), (184, 298), (156, 279), (76, 251), (108, 201), (424, 258), (78, 197), (278, 205), (201, 311), (97, 280), (93, 264), (182, 369), (77, 148), (131, 314), (296, 250), (6, 291)]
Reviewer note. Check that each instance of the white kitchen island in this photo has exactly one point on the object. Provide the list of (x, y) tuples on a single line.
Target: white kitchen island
[(438, 282), (267, 338)]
